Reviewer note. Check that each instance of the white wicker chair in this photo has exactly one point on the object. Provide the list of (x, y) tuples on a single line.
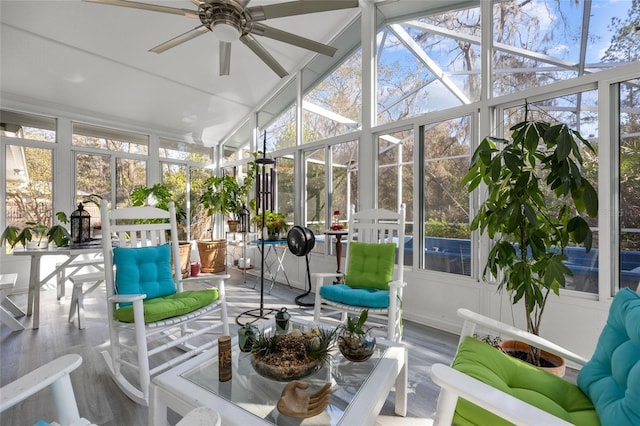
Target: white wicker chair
[(150, 348)]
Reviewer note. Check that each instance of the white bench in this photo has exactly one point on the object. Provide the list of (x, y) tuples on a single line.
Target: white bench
[(9, 310), (77, 295), (96, 262)]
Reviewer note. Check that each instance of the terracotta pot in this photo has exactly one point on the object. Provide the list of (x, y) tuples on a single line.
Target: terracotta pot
[(213, 255), (512, 346), (184, 251)]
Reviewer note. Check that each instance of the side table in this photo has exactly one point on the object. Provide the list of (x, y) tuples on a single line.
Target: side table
[(338, 234)]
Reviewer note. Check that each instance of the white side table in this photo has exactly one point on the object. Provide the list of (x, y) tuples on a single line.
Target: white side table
[(9, 310)]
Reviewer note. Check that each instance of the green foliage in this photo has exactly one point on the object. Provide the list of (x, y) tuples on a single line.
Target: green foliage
[(275, 222), (57, 233), (224, 195), (530, 231), (11, 235), (162, 195), (356, 326), (440, 227)]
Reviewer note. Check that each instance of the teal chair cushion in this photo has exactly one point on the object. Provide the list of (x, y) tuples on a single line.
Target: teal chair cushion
[(370, 265), (611, 378), (144, 270), (170, 306), (370, 298), (520, 380)]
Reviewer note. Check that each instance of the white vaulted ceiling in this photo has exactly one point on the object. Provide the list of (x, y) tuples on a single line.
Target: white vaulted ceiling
[(91, 60)]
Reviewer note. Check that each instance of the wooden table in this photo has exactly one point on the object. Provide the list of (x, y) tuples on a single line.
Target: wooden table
[(36, 255), (338, 234), (359, 390)]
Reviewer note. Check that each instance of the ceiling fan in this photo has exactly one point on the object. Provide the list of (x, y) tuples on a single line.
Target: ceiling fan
[(233, 19)]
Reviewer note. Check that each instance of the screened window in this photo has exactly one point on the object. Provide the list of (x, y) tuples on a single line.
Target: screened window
[(109, 163), (447, 236), (538, 42), (315, 190), (284, 187), (89, 136), (428, 64), (28, 185), (578, 111), (173, 150), (629, 160), (334, 106), (27, 126)]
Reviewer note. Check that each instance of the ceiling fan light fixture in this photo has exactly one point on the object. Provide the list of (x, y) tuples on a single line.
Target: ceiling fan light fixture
[(225, 32)]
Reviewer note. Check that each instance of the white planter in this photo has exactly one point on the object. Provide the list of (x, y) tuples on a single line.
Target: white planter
[(35, 245)]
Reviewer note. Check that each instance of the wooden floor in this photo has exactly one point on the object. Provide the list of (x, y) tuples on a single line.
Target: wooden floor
[(102, 402)]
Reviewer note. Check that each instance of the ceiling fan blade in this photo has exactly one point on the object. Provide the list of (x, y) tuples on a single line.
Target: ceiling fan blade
[(189, 35), (260, 13), (147, 6), (296, 40), (262, 53), (225, 58)]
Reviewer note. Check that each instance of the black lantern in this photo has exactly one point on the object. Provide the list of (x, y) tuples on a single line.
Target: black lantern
[(80, 225), (244, 219)]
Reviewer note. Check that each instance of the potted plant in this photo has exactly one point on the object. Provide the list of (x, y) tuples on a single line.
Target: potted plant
[(224, 195), (227, 196), (32, 236), (276, 224), (535, 198), (355, 340), (160, 196)]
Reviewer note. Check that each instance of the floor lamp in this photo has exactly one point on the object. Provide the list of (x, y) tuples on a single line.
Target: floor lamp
[(265, 198)]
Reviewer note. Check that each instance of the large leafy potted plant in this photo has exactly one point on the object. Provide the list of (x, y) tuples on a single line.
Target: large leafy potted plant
[(536, 196), (227, 196)]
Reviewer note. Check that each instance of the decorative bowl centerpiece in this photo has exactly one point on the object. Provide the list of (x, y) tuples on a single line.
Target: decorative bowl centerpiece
[(355, 340), (292, 356)]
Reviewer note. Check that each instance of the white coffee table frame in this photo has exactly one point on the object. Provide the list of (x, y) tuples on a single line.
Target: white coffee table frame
[(171, 390)]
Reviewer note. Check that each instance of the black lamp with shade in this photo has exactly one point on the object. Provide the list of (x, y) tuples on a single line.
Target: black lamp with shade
[(80, 225)]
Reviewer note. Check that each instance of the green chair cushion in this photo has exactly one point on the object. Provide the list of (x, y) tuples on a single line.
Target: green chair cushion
[(612, 377), (370, 265), (169, 306), (521, 380), (144, 270)]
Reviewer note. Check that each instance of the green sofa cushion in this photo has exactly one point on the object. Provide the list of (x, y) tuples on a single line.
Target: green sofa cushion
[(370, 265), (169, 306), (521, 380)]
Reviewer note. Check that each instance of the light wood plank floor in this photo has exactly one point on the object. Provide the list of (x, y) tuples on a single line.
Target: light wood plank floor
[(102, 402)]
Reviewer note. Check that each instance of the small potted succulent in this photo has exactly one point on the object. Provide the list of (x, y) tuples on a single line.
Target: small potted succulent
[(355, 340)]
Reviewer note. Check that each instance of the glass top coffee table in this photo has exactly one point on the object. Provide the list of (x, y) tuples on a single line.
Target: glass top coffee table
[(358, 389)]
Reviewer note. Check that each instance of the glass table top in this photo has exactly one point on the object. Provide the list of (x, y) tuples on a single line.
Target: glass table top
[(259, 395)]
